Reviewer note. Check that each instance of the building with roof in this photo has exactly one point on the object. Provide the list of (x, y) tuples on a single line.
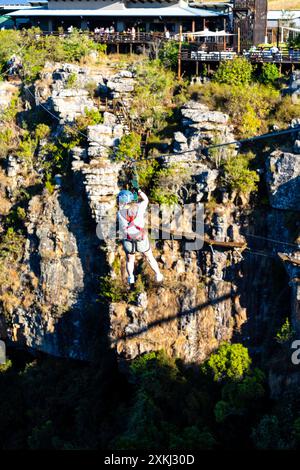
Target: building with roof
[(283, 24), (146, 15), (8, 6)]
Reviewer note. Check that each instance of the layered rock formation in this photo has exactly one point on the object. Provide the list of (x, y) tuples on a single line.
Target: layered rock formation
[(209, 295), (197, 306), (283, 178)]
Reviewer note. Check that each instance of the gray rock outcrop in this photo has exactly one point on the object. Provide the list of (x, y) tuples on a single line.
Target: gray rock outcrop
[(283, 179)]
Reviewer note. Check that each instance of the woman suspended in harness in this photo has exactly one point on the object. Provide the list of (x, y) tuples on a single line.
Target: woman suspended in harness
[(131, 217)]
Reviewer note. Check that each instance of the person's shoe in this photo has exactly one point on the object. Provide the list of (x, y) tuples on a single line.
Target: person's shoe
[(159, 277), (131, 279)]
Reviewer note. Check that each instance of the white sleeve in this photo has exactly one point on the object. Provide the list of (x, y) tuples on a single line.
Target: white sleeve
[(143, 205)]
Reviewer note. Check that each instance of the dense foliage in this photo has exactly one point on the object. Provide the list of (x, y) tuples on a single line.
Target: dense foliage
[(129, 147), (238, 176), (238, 71), (60, 404), (153, 95), (35, 49), (252, 107), (159, 402), (269, 73)]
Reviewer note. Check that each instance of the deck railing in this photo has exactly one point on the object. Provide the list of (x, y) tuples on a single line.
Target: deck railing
[(292, 57), (204, 52)]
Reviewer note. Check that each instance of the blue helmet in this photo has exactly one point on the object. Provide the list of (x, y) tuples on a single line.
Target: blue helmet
[(125, 197)]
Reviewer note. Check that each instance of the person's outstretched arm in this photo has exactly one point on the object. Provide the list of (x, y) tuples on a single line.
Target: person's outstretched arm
[(143, 196)]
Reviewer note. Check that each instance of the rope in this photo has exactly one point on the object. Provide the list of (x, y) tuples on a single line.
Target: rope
[(273, 240)]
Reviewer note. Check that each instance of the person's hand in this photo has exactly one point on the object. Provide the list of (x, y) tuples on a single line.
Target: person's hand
[(135, 183)]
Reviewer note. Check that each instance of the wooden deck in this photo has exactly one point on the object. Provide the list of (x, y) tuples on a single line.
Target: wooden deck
[(197, 52), (193, 55), (128, 38)]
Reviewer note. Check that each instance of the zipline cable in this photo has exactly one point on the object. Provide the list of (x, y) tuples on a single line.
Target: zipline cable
[(133, 161), (206, 148), (271, 240), (203, 148)]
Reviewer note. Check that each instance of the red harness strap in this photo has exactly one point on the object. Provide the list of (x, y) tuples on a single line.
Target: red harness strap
[(130, 219)]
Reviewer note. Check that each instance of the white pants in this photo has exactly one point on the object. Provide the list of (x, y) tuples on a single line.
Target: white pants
[(130, 260)]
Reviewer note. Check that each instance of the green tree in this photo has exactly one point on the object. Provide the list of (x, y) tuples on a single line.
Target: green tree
[(168, 54), (234, 72), (269, 73), (153, 95), (129, 147), (222, 410), (266, 435), (241, 397), (231, 361), (42, 437)]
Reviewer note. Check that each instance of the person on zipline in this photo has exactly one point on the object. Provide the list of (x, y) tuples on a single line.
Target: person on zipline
[(131, 217)]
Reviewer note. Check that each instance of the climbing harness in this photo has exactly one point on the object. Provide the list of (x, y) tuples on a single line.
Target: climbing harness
[(130, 216)]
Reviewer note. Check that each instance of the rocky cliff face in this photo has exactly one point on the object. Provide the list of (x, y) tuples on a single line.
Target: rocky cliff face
[(196, 307), (54, 308), (208, 296)]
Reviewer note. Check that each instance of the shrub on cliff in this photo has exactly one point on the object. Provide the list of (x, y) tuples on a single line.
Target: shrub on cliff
[(267, 434), (250, 107), (10, 42), (285, 332), (77, 45), (153, 95), (238, 175), (285, 110), (129, 147), (35, 49), (11, 245), (234, 72), (90, 117)]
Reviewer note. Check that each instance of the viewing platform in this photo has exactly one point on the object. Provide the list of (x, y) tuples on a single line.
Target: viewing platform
[(192, 55)]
